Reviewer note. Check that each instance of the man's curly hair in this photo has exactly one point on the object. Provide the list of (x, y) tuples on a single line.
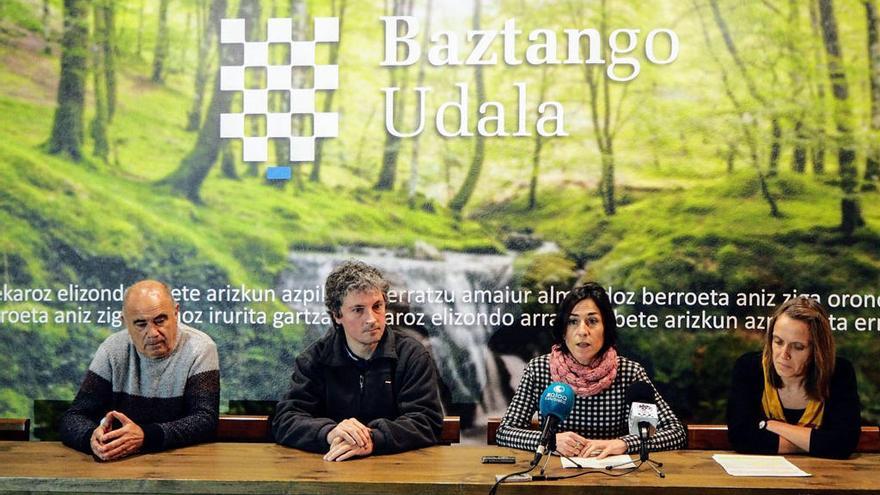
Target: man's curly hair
[(351, 276)]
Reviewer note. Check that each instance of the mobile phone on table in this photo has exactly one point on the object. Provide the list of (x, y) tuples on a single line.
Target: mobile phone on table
[(498, 459)]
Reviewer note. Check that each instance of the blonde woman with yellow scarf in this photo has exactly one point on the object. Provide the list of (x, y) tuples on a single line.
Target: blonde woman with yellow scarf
[(795, 397)]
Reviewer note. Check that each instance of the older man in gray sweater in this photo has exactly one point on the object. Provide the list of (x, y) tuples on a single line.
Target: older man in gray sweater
[(152, 387)]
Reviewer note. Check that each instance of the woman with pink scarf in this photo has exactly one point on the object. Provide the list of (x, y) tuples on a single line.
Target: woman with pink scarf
[(584, 356)]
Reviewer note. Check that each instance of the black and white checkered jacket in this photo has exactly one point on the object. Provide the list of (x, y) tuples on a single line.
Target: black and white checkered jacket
[(601, 416)]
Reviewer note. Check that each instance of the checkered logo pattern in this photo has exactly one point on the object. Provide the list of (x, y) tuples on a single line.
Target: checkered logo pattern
[(601, 416), (255, 101)]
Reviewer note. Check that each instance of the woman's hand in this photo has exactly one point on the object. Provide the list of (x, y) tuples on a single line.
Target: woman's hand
[(569, 443), (603, 448)]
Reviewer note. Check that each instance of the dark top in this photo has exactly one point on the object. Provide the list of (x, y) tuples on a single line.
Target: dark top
[(396, 395), (792, 415), (836, 438)]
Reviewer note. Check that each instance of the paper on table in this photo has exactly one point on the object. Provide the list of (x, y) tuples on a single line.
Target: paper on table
[(757, 465), (624, 460)]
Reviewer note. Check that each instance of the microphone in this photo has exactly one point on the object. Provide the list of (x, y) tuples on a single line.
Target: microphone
[(643, 415), (557, 401)]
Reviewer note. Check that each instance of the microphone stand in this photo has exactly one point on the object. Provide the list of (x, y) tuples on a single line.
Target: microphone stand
[(546, 461), (655, 466), (560, 454), (643, 458), (650, 462), (549, 450)]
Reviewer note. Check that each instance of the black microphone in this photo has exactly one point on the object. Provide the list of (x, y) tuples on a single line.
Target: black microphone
[(643, 415), (557, 401)]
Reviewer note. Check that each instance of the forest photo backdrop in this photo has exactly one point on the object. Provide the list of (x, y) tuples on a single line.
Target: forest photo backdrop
[(701, 191)]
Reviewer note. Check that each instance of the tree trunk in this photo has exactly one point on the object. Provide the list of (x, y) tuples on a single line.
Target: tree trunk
[(194, 116), (817, 154), (536, 151), (391, 150), (161, 51), (748, 133), (851, 214), (799, 154), (187, 179), (473, 174), (99, 121), (600, 113), (413, 185), (109, 11), (846, 154), (315, 176), (227, 163), (775, 148), (729, 43), (359, 154), (184, 45), (796, 78), (872, 167), (46, 33), (762, 180), (731, 156), (67, 129), (774, 211), (606, 183), (139, 46)]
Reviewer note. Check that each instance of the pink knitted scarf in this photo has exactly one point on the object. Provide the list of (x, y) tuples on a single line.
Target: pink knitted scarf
[(586, 380)]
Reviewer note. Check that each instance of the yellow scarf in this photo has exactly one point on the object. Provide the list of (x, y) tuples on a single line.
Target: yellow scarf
[(772, 406)]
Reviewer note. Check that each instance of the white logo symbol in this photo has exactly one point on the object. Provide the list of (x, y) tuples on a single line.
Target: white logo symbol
[(559, 389), (278, 78)]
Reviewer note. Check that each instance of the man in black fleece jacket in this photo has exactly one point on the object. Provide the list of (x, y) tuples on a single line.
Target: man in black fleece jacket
[(363, 388)]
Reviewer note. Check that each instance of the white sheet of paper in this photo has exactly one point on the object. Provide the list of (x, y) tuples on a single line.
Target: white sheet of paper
[(593, 463), (758, 465)]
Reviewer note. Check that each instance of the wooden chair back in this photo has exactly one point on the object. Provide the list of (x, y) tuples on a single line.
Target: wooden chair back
[(451, 432), (243, 428), (492, 425), (714, 437), (17, 429), (257, 428)]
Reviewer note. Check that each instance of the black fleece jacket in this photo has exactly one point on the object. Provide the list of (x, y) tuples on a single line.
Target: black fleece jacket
[(396, 395)]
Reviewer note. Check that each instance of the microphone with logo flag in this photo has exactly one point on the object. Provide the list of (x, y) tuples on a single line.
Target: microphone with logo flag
[(557, 401), (643, 415)]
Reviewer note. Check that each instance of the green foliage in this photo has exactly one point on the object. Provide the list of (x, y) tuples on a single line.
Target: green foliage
[(105, 225), (681, 224), (691, 370), (17, 12), (536, 272), (862, 350), (716, 236), (545, 270)]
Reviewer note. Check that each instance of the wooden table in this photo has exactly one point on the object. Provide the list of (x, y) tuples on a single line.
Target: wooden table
[(236, 468)]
